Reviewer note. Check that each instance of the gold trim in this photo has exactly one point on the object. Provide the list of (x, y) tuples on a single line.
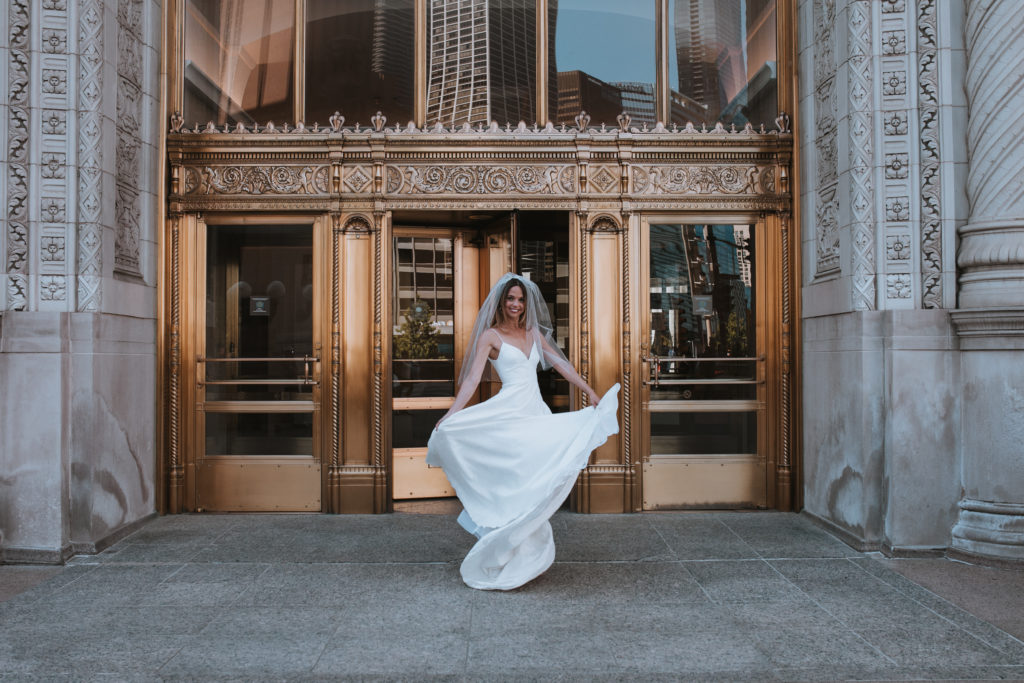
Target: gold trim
[(337, 398), (581, 218), (176, 470), (661, 84), (161, 471), (541, 109), (784, 482), (176, 35), (423, 403), (299, 61), (381, 363), (420, 47)]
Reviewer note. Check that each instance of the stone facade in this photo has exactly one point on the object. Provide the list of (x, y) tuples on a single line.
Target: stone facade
[(78, 299), (912, 422), (912, 262)]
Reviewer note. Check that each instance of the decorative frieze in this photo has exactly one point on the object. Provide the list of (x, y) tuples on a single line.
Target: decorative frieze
[(129, 82), (897, 159), (90, 155), (282, 180), (718, 179), (826, 178), (480, 179), (862, 195), (931, 191), (18, 179)]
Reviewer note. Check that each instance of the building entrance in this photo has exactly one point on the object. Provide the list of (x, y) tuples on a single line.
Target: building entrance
[(257, 365), (438, 278), (440, 274), (705, 392)]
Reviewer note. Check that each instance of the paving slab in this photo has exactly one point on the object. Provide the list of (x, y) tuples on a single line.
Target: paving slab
[(734, 596)]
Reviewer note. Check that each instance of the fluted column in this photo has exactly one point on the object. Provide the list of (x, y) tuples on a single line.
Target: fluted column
[(991, 256), (990, 320)]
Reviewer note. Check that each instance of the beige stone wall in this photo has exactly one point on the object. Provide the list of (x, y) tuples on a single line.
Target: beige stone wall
[(79, 273)]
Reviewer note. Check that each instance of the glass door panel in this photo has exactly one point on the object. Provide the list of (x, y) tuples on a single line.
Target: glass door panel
[(704, 395), (258, 379), (422, 356)]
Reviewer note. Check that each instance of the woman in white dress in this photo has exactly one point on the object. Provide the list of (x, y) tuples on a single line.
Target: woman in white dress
[(512, 462)]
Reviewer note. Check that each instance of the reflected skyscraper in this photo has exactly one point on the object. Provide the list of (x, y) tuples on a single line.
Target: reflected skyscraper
[(707, 34), (482, 61), (725, 57)]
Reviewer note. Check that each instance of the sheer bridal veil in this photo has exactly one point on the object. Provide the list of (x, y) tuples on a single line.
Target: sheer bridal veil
[(538, 324)]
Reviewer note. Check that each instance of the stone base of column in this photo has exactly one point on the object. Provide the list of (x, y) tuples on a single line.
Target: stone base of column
[(990, 531)]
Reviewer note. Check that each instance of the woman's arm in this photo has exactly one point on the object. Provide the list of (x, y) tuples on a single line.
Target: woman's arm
[(563, 368), (488, 341)]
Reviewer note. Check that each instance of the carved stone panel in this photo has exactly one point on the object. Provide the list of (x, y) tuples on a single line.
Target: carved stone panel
[(718, 179), (16, 205), (826, 202), (255, 180), (481, 179), (90, 154)]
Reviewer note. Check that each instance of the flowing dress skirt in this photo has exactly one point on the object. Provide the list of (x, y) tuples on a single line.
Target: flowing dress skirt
[(512, 463)]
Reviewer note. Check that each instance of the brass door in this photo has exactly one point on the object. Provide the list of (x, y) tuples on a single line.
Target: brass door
[(704, 396), (257, 406), (438, 280)]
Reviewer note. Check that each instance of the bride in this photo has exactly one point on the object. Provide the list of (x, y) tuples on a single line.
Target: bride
[(512, 462)]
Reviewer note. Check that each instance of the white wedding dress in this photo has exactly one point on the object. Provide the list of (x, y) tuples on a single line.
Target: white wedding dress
[(512, 463)]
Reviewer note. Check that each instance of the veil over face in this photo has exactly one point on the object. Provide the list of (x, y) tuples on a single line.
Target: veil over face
[(538, 324)]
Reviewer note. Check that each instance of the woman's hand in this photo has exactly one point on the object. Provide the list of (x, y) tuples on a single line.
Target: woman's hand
[(592, 395)]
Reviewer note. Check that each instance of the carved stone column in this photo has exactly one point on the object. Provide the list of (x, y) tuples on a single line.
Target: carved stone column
[(990, 322)]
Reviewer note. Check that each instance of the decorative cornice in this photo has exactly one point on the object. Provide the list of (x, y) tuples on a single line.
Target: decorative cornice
[(782, 129)]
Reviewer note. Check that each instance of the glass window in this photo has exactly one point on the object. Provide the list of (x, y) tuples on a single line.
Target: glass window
[(423, 309), (703, 319), (722, 61), (601, 79), (239, 61), (482, 61), (705, 433), (259, 434), (544, 259), (259, 310), (360, 59)]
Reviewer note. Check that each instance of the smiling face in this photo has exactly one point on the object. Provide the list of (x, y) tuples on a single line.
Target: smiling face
[(512, 308), (514, 303)]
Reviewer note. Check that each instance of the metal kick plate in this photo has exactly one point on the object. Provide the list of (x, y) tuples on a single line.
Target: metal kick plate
[(720, 482)]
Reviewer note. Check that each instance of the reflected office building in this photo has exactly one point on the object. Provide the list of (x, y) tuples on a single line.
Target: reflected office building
[(482, 59), (725, 60)]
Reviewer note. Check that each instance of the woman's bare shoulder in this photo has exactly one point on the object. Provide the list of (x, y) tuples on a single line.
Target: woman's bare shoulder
[(491, 337)]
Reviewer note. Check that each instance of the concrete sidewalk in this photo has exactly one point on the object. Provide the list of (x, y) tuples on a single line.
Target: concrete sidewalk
[(666, 596)]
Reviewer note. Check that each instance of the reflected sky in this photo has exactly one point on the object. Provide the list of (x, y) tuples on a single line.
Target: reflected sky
[(630, 58)]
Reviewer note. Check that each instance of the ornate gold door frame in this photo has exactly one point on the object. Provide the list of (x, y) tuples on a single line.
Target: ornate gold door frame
[(352, 181), (211, 380)]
